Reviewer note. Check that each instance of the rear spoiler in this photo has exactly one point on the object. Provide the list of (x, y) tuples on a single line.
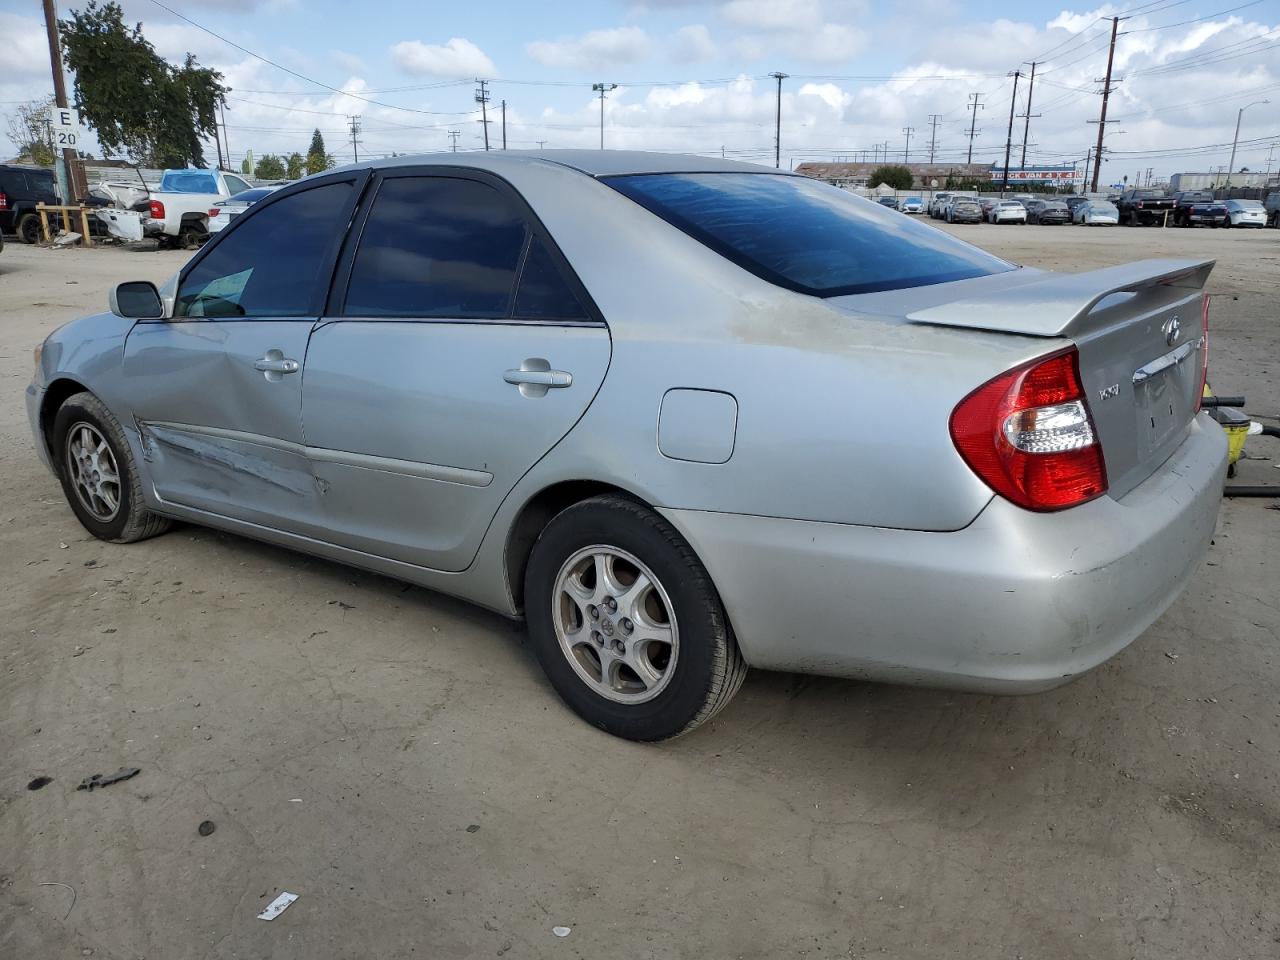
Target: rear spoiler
[(1058, 304)]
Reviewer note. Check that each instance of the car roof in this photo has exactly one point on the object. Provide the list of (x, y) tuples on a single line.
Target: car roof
[(594, 163)]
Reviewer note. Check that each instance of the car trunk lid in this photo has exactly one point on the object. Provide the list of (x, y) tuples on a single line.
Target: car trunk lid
[(1138, 328)]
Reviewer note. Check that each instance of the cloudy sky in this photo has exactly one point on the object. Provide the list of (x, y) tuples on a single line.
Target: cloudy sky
[(693, 75)]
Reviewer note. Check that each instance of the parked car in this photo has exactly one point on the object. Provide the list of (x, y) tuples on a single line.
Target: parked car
[(1245, 213), (890, 202), (935, 204), (1144, 207), (1097, 213), (179, 210), (1047, 212), (1272, 207), (21, 189), (912, 205), (222, 213), (1198, 208), (580, 432), (1007, 211), (1073, 202), (964, 210)]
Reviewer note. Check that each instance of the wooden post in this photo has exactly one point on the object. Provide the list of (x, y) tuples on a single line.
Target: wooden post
[(44, 223), (85, 238)]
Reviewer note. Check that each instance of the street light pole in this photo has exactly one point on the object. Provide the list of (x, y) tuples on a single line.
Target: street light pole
[(1236, 139), (602, 89)]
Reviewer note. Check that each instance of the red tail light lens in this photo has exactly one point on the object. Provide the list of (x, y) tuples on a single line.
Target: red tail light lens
[(213, 211), (157, 210), (1029, 435), (4, 202)]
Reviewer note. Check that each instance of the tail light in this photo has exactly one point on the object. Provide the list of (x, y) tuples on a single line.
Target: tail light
[(1029, 435), (1204, 348), (157, 210), (4, 201), (213, 211)]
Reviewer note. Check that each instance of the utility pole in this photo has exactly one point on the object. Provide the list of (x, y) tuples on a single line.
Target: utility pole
[(504, 124), (1236, 139), (1088, 159), (906, 150), (933, 136), (482, 98), (355, 131), (217, 142), (226, 141), (1106, 94), (975, 104), (777, 122), (602, 89), (1026, 127), (1008, 144), (454, 135), (65, 165), (541, 144)]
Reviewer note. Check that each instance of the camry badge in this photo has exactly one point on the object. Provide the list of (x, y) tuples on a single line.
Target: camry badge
[(1172, 327)]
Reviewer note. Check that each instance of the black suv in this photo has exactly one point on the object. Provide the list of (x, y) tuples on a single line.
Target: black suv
[(21, 188)]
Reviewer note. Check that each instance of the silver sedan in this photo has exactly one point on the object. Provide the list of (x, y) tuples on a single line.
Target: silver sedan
[(681, 415)]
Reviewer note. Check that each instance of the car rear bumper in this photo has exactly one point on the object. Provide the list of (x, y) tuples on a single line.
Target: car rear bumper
[(1014, 603)]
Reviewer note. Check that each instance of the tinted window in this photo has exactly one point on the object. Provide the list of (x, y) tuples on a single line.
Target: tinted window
[(805, 235), (235, 184), (544, 294), (437, 247), (252, 196), (275, 264)]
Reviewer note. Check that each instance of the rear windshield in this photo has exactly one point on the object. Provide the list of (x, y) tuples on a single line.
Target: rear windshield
[(804, 235), (189, 181)]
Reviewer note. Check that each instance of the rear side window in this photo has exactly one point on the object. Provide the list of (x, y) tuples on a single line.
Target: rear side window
[(805, 235), (275, 263), (444, 247), (189, 181)]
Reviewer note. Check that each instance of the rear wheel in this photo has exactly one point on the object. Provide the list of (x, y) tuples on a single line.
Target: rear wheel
[(28, 228), (99, 476), (626, 622)]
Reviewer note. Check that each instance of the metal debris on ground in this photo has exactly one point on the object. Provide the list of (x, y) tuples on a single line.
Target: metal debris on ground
[(98, 780), (74, 896), (562, 931), (277, 906)]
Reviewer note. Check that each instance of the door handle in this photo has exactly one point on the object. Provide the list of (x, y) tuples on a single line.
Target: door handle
[(545, 378), (535, 377), (269, 365)]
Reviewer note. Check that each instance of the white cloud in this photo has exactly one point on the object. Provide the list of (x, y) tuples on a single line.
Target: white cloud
[(348, 61), (26, 49), (597, 48), (693, 44), (457, 58), (773, 15), (832, 43)]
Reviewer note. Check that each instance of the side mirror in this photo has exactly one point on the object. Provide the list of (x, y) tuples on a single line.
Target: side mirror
[(137, 300)]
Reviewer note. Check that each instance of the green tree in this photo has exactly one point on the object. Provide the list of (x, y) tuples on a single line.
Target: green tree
[(294, 166), (28, 133), (893, 175), (270, 167), (138, 103), (317, 160)]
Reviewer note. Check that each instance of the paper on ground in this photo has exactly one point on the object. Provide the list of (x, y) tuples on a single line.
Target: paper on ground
[(277, 906)]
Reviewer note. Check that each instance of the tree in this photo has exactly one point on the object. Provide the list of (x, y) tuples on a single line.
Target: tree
[(893, 175), (294, 166), (140, 104), (29, 134), (270, 167), (317, 160)]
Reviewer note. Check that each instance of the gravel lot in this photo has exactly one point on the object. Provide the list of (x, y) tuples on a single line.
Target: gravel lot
[(396, 759)]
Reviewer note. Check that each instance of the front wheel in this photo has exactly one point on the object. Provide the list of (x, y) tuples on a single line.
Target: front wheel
[(99, 475), (28, 228), (626, 622)]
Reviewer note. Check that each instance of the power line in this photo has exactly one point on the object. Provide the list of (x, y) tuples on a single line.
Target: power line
[(1183, 23)]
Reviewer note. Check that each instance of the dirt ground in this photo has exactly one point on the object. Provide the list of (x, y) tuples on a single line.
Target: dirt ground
[(396, 759)]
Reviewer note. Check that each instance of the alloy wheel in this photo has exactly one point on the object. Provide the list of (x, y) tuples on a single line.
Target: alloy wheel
[(91, 465)]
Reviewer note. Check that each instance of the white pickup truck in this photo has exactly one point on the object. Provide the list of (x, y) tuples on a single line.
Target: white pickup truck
[(179, 210)]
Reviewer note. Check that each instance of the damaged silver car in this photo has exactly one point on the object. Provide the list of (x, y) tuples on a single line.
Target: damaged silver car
[(684, 416)]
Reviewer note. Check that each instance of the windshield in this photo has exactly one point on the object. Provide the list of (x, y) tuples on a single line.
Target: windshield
[(189, 181), (804, 235), (1245, 204), (1103, 206)]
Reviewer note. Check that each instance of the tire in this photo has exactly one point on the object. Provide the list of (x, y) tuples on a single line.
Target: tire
[(28, 228), (690, 676), (82, 422)]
